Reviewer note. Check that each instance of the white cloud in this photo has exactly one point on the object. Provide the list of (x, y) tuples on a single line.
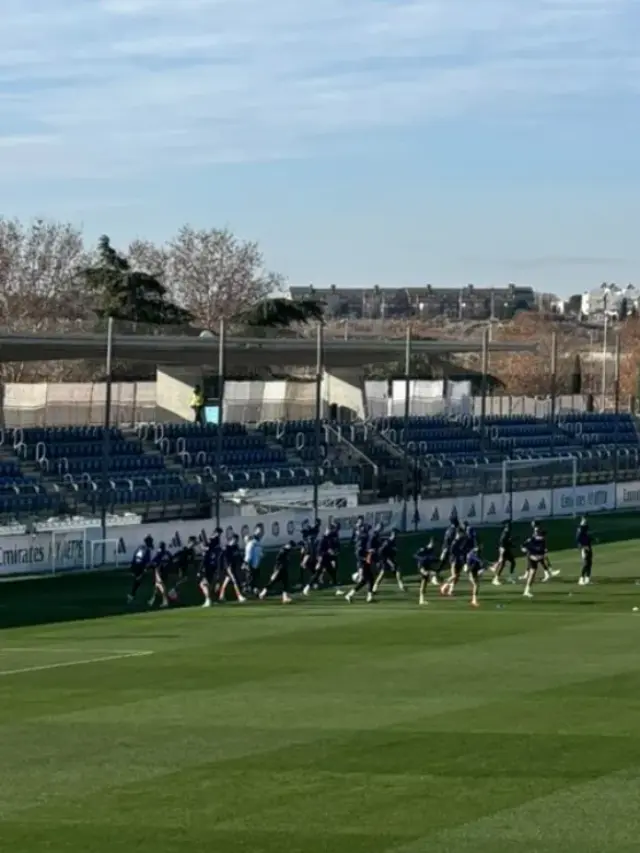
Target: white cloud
[(128, 85)]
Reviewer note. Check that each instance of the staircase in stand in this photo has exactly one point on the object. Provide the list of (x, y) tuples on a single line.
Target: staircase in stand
[(292, 457)]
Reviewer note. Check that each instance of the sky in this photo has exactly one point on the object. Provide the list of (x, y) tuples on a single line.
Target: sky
[(360, 142)]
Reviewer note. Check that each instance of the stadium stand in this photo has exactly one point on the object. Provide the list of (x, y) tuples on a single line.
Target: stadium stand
[(64, 467), (297, 441), (251, 458), (602, 444), (435, 437), (169, 470)]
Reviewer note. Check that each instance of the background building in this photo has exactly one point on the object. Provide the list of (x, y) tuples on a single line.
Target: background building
[(468, 302), (615, 301)]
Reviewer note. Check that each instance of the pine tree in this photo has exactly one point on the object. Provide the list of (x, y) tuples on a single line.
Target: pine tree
[(279, 313), (128, 295)]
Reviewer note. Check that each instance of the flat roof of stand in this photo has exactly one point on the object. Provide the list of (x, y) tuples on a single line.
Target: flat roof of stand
[(239, 352)]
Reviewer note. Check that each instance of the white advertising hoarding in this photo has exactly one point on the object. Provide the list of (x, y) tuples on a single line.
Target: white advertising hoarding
[(627, 495), (584, 499), (80, 549)]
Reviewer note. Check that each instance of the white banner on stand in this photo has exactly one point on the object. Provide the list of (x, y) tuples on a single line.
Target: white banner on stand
[(531, 505), (587, 499), (627, 495)]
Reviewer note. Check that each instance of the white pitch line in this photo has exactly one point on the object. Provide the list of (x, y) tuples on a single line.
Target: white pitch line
[(62, 664), (66, 650)]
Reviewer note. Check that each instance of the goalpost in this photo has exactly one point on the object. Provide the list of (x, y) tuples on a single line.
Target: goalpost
[(528, 486), (74, 550), (104, 553), (68, 549), (279, 513), (517, 489)]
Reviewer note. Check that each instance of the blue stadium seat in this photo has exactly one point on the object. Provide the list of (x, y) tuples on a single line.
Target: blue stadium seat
[(42, 467)]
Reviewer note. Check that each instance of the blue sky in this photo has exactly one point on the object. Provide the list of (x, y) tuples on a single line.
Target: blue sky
[(359, 141)]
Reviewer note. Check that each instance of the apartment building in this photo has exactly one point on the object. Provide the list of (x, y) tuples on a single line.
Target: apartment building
[(468, 302), (610, 299)]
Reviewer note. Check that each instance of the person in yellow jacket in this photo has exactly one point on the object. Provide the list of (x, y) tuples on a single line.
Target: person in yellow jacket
[(197, 405)]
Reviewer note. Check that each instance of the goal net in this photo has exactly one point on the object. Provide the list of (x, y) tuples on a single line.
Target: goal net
[(528, 486), (515, 489), (67, 550), (75, 550), (280, 513), (104, 553)]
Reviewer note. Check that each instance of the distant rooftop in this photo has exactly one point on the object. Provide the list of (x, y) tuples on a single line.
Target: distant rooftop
[(464, 302), (426, 289)]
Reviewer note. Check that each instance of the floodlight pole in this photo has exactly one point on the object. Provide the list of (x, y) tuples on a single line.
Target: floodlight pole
[(318, 420), (554, 391), (616, 392), (484, 385), (603, 394), (106, 438), (405, 430), (220, 429)]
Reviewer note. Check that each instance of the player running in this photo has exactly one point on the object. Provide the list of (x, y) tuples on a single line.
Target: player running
[(584, 541), (311, 531), (371, 542), (505, 556), (458, 562), (308, 551), (366, 573), (375, 543), (231, 564), (388, 562), (280, 574), (470, 541), (325, 563), (184, 561), (474, 571), (361, 545), (251, 561), (335, 550), (447, 542), (210, 566), (549, 571), (140, 563), (536, 550), (161, 562), (426, 561)]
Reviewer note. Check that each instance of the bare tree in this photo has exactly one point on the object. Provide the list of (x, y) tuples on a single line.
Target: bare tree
[(148, 257), (39, 285), (213, 274), (630, 358), (530, 373)]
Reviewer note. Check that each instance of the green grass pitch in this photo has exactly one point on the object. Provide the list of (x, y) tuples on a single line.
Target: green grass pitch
[(326, 727)]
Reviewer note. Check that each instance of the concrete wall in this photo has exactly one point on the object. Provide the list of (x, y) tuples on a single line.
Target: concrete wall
[(255, 401), (80, 404), (174, 387), (299, 400), (75, 403), (345, 389), (426, 397), (244, 402)]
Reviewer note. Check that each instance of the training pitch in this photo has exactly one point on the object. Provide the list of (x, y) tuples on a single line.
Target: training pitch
[(324, 726)]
